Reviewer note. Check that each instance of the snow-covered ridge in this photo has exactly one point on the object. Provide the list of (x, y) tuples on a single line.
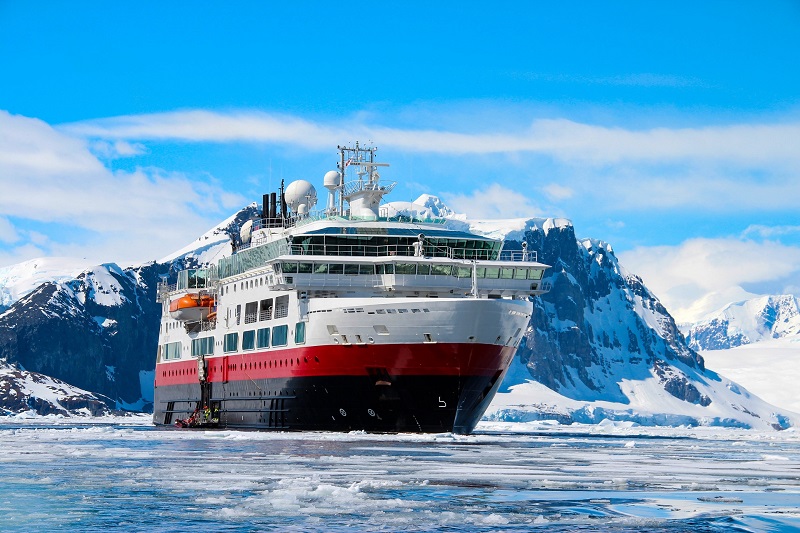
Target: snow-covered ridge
[(746, 322), (23, 278)]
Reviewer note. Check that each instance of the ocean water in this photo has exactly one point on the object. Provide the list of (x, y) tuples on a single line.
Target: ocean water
[(126, 475)]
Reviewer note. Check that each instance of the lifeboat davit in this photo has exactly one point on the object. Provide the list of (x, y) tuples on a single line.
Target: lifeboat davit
[(191, 307)]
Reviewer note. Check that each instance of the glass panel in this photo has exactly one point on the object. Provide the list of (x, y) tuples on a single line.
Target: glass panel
[(406, 268), (335, 268), (280, 335), (423, 269), (506, 273), (304, 268), (249, 339), (480, 272), (492, 272), (351, 270), (520, 273), (389, 268), (379, 269), (263, 338), (535, 273), (366, 269), (463, 272), (320, 268), (231, 342), (441, 270), (300, 333), (290, 268)]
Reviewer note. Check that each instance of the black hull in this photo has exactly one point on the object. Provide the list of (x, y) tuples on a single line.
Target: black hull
[(375, 403)]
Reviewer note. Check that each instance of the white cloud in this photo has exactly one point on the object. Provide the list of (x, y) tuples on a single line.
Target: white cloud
[(556, 192), (7, 231), (770, 232), (683, 275), (55, 180), (759, 144), (493, 202)]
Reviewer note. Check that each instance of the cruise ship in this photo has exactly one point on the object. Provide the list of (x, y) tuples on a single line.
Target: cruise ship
[(351, 317)]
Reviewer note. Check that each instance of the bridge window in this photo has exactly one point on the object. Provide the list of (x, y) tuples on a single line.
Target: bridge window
[(202, 346)]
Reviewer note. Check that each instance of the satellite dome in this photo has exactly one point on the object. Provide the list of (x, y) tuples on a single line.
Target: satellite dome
[(299, 193), (332, 179)]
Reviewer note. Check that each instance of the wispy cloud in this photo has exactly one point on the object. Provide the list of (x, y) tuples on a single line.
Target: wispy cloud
[(493, 202), (770, 232), (566, 140)]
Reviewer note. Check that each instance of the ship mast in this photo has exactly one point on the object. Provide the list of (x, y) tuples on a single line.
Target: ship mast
[(363, 196)]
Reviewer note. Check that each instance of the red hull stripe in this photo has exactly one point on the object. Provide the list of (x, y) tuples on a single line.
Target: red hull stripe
[(434, 359)]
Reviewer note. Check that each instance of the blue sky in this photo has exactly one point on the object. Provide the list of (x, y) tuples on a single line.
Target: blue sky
[(670, 130)]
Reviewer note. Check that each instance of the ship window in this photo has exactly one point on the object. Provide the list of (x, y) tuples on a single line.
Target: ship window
[(506, 273), (351, 270), (462, 272), (300, 333), (290, 268), (231, 343), (480, 272), (238, 314), (380, 311), (415, 310), (406, 268), (381, 329), (262, 338), (336, 268), (282, 306), (402, 310), (172, 351), (535, 273), (320, 268), (391, 311), (265, 310), (441, 270), (492, 272), (280, 335), (202, 346), (305, 268), (520, 273), (366, 269), (389, 268), (379, 269), (249, 339), (250, 312), (423, 269)]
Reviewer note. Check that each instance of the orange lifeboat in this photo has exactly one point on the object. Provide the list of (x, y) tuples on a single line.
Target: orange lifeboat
[(191, 307)]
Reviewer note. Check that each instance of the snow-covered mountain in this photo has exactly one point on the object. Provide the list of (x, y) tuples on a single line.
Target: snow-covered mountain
[(98, 329), (757, 342), (22, 391), (599, 345), (746, 322)]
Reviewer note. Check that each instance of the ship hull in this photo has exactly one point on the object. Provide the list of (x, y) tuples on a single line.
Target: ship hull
[(428, 388)]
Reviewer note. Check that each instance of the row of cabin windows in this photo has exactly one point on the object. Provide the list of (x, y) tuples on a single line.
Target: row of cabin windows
[(251, 339), (419, 269), (260, 338)]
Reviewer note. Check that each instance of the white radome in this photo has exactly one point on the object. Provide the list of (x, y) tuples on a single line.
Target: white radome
[(300, 193)]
